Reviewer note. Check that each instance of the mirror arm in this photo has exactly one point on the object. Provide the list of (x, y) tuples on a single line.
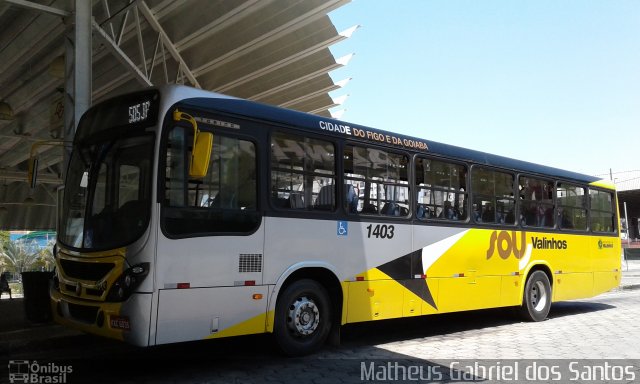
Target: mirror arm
[(180, 116), (32, 171)]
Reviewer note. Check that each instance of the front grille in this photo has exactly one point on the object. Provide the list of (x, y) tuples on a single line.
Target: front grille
[(85, 271), (94, 292), (83, 313)]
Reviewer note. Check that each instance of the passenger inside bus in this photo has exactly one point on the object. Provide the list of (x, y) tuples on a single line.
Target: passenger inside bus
[(488, 213), (351, 198)]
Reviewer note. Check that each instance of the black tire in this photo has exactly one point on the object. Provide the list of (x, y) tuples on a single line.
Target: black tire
[(303, 318), (536, 301)]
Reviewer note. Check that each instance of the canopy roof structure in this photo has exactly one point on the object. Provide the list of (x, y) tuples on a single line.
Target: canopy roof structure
[(272, 51)]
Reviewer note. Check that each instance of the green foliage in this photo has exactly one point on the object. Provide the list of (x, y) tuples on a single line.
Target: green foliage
[(4, 238), (45, 260), (17, 259)]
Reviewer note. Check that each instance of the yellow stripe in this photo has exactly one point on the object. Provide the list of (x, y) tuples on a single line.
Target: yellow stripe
[(255, 324)]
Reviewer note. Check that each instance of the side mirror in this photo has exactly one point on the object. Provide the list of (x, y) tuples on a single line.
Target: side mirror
[(202, 146), (200, 155), (32, 173)]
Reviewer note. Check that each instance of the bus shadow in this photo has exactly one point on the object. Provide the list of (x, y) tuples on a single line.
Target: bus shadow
[(385, 331), (570, 308)]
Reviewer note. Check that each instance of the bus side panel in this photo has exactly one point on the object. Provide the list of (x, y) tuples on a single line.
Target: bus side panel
[(304, 241), (568, 286), (510, 291), (374, 300), (468, 293), (198, 313), (468, 266), (607, 263), (605, 281)]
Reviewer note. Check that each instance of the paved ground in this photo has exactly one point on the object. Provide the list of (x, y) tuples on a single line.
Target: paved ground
[(605, 327)]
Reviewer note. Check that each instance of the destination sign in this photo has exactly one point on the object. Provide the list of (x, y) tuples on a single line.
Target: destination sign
[(373, 136)]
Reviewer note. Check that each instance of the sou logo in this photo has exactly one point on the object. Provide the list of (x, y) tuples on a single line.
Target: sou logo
[(507, 244)]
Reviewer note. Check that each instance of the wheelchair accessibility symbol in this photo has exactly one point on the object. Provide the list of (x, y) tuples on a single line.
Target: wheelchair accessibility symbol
[(343, 228)]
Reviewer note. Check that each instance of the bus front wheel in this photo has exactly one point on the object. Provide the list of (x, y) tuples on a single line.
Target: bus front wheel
[(302, 318), (536, 301)]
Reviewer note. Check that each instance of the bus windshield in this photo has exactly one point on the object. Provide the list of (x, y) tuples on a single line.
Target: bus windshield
[(107, 192)]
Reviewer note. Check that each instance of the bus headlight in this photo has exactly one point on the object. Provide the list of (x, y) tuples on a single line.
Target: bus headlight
[(127, 282)]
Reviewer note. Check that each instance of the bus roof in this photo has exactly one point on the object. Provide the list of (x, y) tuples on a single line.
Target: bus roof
[(314, 123)]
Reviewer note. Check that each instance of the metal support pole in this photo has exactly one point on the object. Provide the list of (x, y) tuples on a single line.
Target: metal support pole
[(77, 72), (82, 59), (628, 240)]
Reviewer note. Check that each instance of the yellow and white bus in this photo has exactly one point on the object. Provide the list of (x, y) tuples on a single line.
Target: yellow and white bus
[(192, 215)]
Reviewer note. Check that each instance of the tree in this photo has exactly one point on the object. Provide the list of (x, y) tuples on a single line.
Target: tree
[(45, 260), (4, 238), (17, 258)]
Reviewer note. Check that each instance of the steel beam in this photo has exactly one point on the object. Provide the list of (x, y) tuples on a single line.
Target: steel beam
[(121, 56), (155, 25), (39, 7)]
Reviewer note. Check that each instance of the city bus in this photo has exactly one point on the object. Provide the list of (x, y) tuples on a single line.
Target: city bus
[(192, 215)]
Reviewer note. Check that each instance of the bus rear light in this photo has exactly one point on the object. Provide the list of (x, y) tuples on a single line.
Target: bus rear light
[(183, 285), (250, 282), (359, 278), (257, 296), (420, 276)]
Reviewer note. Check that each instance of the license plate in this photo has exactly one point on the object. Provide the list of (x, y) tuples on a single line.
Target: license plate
[(119, 322)]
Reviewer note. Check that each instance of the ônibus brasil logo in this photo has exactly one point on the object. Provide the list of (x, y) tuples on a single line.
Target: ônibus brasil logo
[(25, 371), (507, 244)]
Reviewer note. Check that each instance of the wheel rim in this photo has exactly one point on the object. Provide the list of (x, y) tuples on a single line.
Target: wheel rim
[(303, 317), (539, 296)]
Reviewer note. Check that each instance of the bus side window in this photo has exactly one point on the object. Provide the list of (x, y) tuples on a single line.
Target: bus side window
[(379, 178), (571, 207), (536, 202), (303, 173), (441, 190), (493, 200), (602, 211), (223, 201)]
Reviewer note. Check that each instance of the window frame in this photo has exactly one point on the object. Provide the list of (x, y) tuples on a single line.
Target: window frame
[(614, 208), (547, 179), (585, 207), (167, 127), (474, 194), (269, 168), (467, 192), (344, 179)]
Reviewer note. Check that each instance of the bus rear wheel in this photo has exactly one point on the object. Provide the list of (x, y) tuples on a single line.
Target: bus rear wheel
[(302, 318), (536, 301)]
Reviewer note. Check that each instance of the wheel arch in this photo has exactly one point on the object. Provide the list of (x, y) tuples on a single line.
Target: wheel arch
[(324, 273)]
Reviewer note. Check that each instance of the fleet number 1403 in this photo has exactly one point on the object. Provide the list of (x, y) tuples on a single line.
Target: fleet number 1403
[(380, 231)]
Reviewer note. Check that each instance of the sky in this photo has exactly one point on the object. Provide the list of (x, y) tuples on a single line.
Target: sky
[(551, 82)]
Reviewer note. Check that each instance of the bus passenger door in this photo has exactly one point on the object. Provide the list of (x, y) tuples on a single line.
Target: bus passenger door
[(210, 249)]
